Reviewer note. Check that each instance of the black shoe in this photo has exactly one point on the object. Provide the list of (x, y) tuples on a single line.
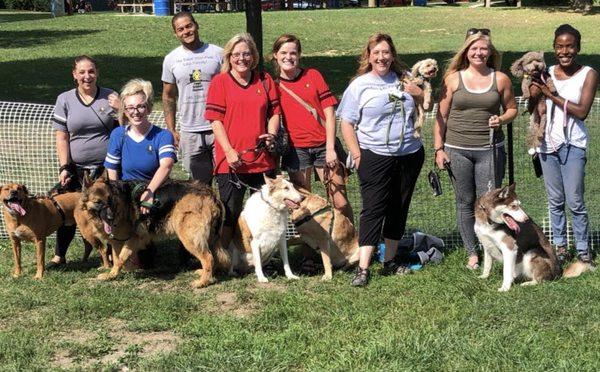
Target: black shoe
[(392, 268), (585, 257), (361, 278)]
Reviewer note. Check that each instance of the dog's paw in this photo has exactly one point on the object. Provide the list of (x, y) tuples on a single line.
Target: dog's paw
[(531, 282), (326, 277), (199, 283), (105, 276), (484, 276), (503, 288), (292, 276), (262, 280), (38, 276), (16, 275)]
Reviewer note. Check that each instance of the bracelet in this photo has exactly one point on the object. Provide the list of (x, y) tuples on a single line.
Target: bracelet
[(356, 157), (66, 167), (438, 149), (148, 190)]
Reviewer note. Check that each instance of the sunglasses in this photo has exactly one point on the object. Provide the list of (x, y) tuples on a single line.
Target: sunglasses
[(473, 31)]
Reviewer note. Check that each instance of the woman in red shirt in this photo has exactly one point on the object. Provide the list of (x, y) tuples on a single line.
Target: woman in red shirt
[(239, 101), (307, 105)]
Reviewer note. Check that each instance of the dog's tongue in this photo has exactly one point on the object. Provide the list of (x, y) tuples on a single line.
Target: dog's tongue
[(17, 208), (511, 223), (107, 227), (291, 204)]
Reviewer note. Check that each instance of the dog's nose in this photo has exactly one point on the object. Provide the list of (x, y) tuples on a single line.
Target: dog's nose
[(302, 197)]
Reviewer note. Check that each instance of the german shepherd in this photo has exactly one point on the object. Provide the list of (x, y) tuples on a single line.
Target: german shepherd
[(327, 230), (509, 236), (33, 219), (187, 210)]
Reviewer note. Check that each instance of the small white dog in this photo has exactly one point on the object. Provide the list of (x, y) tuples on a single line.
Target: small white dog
[(422, 73), (262, 225)]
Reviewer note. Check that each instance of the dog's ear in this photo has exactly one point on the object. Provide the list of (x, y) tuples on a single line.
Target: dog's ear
[(415, 69), (504, 192), (512, 186), (517, 68), (87, 181)]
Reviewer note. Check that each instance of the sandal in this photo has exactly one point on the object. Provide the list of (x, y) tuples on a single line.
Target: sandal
[(56, 262), (361, 278), (472, 266)]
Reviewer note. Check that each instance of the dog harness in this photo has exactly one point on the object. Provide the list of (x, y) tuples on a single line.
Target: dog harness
[(58, 208)]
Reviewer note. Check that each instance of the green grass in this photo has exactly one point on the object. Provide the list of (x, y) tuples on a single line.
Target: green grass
[(442, 318)]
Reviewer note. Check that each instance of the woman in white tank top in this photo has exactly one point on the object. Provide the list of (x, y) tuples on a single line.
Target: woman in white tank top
[(563, 151)]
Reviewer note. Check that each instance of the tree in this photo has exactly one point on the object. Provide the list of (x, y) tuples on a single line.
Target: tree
[(254, 26)]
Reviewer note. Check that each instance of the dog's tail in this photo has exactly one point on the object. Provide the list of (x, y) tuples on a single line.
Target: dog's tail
[(220, 253), (577, 268)]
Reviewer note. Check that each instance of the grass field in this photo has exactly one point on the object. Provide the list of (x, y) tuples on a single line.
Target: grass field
[(441, 318)]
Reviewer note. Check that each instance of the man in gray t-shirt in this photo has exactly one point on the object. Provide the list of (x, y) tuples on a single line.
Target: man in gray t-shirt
[(187, 72)]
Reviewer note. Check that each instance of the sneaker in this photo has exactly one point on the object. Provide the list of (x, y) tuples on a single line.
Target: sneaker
[(585, 257), (361, 278), (562, 254)]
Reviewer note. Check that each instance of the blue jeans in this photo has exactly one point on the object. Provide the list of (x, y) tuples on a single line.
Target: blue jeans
[(564, 171)]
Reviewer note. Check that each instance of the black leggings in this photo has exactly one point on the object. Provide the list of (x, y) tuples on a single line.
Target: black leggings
[(232, 196), (386, 187)]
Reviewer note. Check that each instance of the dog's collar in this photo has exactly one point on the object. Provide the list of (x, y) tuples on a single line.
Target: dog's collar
[(58, 208), (307, 218)]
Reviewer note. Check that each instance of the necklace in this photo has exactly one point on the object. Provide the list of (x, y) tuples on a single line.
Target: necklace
[(87, 99)]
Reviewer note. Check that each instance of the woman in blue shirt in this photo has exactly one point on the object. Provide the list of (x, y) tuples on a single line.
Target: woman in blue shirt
[(140, 150)]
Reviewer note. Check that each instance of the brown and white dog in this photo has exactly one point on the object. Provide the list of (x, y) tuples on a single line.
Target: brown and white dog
[(261, 227), (326, 230), (422, 72), (33, 219), (509, 236)]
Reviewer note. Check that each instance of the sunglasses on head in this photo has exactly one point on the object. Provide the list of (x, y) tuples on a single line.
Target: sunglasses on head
[(483, 31)]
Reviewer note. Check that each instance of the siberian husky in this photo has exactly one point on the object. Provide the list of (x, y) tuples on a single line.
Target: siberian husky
[(262, 225), (509, 236)]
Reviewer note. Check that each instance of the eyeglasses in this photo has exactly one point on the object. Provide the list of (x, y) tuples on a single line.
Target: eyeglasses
[(134, 109), (483, 31), (244, 55)]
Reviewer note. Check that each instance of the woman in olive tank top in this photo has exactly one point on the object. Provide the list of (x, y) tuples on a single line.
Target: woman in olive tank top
[(475, 98)]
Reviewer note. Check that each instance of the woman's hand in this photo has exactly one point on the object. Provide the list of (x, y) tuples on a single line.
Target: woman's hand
[(495, 121), (544, 88), (269, 140), (331, 158), (233, 158), (64, 177), (114, 101), (441, 158), (147, 197), (414, 90)]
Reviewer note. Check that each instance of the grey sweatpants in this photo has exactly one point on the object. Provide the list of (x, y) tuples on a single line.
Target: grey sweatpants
[(472, 171)]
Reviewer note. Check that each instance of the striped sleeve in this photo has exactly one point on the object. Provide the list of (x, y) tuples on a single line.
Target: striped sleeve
[(326, 98), (115, 147), (166, 147), (215, 100), (59, 119)]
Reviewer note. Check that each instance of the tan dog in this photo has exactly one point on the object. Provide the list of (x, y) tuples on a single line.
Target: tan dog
[(422, 72), (327, 230), (532, 67), (33, 219), (93, 233), (188, 210)]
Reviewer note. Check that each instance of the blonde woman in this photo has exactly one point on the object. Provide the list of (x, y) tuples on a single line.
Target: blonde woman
[(243, 108), (139, 150), (476, 100), (378, 129)]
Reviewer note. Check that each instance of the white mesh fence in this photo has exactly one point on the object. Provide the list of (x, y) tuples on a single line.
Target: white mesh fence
[(28, 156)]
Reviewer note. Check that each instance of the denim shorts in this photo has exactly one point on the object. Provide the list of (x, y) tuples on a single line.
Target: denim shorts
[(300, 158)]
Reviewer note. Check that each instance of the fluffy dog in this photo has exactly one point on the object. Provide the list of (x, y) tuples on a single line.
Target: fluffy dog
[(509, 236), (422, 72), (262, 225), (532, 67), (32, 219), (327, 230), (187, 210)]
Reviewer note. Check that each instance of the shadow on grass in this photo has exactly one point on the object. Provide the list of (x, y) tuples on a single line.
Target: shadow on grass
[(26, 39), (8, 16)]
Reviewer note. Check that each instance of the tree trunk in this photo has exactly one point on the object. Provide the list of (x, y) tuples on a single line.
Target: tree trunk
[(372, 3), (254, 26)]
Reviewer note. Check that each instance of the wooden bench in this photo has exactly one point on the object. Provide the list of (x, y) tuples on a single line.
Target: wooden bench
[(135, 6)]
